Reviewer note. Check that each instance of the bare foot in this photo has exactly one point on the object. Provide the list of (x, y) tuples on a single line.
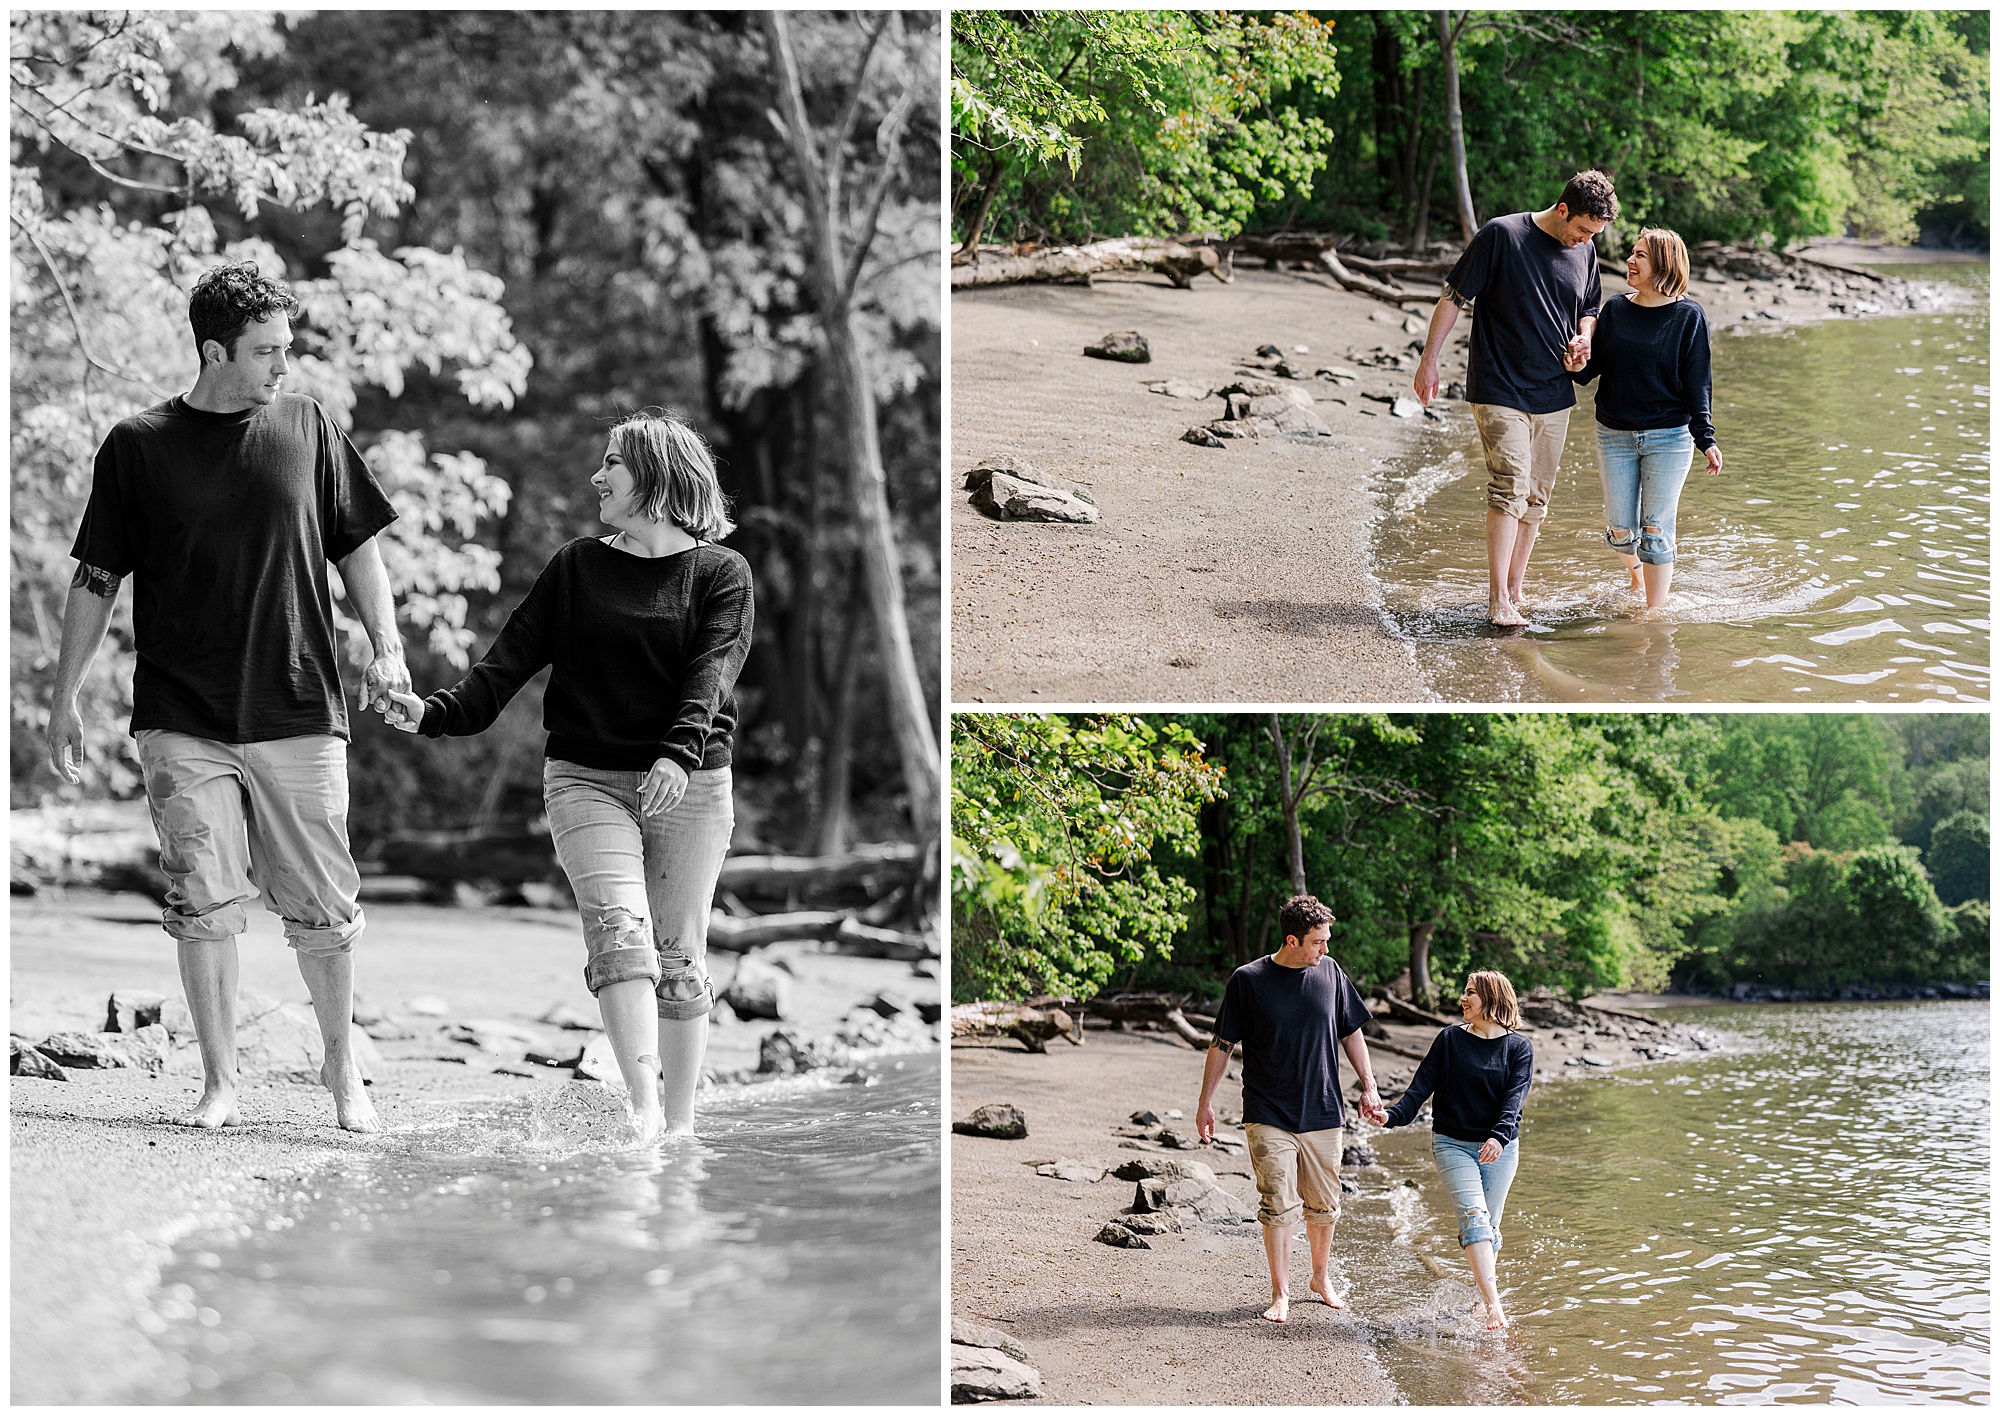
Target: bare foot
[(649, 1122), (1501, 612), (1495, 1317), (1280, 1309), (351, 1106), (1322, 1284), (217, 1108)]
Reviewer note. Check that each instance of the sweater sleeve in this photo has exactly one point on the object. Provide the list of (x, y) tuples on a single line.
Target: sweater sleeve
[(1421, 1086), (520, 651), (725, 617), (1695, 382), (1520, 1073)]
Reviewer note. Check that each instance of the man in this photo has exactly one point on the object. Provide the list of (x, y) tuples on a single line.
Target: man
[(225, 504), (1287, 1010), (1534, 275)]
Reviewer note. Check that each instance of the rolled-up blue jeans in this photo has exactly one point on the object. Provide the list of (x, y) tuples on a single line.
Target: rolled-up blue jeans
[(644, 884), (1643, 473), (1478, 1192)]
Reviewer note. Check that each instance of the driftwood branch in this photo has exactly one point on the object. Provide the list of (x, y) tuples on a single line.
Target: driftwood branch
[(1410, 1013), (1078, 265), (1027, 1024), (1622, 1013), (837, 927), (784, 875)]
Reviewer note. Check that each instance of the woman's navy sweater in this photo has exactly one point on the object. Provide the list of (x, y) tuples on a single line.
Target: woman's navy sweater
[(1480, 1084)]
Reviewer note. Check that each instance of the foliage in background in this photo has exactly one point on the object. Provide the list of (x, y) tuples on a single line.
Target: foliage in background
[(1581, 851), (1069, 125), (1054, 826), (619, 171), (1723, 124)]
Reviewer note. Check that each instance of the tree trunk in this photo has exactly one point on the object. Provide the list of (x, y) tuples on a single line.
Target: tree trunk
[(1420, 961), (1468, 224), (970, 249), (1421, 236), (910, 717), (837, 748), (1076, 265), (1294, 845)]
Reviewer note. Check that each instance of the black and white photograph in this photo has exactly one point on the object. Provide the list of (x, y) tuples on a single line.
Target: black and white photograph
[(475, 765)]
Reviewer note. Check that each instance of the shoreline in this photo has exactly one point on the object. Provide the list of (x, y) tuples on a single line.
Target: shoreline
[(105, 1186), (1178, 1322), (1180, 594)]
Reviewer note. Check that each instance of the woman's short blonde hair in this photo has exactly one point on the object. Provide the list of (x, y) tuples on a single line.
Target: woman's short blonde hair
[(1669, 257), (1496, 995), (673, 474)]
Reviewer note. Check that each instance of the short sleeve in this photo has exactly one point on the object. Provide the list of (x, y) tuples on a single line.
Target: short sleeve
[(1229, 1018), (353, 506), (1350, 1011), (108, 538), (1469, 276), (1593, 288)]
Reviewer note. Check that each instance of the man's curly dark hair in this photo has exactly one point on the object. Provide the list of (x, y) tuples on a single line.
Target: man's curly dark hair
[(1589, 193), (1301, 915), (229, 299)]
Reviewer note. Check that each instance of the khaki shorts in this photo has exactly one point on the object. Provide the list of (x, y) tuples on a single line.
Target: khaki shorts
[(1523, 453), (1297, 1173), (235, 818)]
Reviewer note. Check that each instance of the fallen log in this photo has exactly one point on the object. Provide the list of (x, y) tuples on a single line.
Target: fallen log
[(768, 875), (1308, 248), (1077, 265), (836, 927), (1622, 1013), (1030, 1026), (1377, 1045), (1375, 289), (1862, 271), (1410, 1013)]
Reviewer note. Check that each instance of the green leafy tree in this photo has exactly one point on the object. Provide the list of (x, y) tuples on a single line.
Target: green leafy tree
[(1960, 858), (1054, 826), (122, 185)]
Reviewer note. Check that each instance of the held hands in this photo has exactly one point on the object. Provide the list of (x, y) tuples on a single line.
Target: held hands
[(404, 711), (1577, 355), (1489, 1152), (1372, 1107), (664, 787), (1714, 460), (386, 675)]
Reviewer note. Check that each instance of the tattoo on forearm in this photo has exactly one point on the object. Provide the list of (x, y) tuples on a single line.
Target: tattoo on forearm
[(1218, 1045), (1464, 302), (101, 583)]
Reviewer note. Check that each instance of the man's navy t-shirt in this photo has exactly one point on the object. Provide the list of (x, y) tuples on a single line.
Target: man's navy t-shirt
[(1290, 1022), (1531, 292), (226, 522)]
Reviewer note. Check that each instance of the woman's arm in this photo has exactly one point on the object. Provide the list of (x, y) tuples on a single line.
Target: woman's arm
[(721, 643), (1520, 1073), (1696, 385), (1421, 1086), (519, 652)]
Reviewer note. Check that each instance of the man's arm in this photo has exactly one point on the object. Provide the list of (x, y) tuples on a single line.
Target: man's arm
[(93, 594), (1213, 1068), (1443, 318), (1356, 1048), (367, 581)]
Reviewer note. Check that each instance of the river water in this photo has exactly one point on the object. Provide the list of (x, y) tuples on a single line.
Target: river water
[(519, 1252), (1841, 556), (1803, 1217)]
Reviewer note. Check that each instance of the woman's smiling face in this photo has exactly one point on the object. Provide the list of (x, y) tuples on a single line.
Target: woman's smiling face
[(613, 484)]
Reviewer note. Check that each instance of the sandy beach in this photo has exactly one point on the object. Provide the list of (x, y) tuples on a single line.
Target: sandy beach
[(1235, 574), (1176, 1324), (103, 1186)]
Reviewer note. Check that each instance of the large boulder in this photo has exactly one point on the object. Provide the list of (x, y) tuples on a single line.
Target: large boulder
[(1006, 464), (146, 1049), (998, 1121), (980, 1335), (26, 1060), (760, 990), (1127, 346), (1120, 1236), (129, 1009)]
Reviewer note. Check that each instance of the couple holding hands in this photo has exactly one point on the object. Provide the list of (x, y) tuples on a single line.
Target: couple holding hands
[(1542, 326), (225, 505)]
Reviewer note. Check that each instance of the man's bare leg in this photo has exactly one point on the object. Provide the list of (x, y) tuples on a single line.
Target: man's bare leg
[(683, 1043), (1319, 1239), (632, 1023), (330, 980), (1517, 566), (208, 976), (1500, 535), (1480, 1256), (1278, 1254)]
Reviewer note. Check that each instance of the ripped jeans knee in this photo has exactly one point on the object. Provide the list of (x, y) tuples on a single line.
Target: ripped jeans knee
[(620, 948), (1656, 543), (1621, 539), (683, 989), (1475, 1225)]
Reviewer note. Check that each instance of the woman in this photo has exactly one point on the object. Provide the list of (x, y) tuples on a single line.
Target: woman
[(1651, 348), (646, 629), (1479, 1074)]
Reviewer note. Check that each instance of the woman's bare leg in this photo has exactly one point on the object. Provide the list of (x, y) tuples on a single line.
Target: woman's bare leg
[(633, 1026), (1480, 1256), (1659, 580), (683, 1043)]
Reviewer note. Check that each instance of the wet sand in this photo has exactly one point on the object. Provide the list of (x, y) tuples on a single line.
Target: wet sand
[(103, 1185), (1176, 1324)]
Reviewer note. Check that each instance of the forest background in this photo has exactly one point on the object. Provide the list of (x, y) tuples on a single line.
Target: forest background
[(1581, 851), (507, 230), (1071, 126)]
